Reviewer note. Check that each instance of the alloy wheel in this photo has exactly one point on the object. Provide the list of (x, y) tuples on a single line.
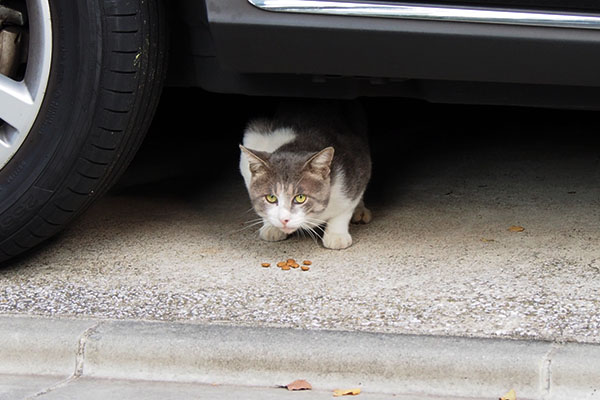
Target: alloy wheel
[(25, 58)]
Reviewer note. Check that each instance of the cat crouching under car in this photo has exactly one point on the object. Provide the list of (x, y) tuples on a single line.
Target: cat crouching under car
[(307, 167)]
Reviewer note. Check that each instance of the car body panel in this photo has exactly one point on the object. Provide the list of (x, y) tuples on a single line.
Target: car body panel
[(260, 52)]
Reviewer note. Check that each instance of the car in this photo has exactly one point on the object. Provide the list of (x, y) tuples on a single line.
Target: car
[(80, 81)]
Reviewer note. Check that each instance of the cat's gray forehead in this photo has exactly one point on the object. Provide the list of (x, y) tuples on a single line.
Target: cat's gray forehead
[(286, 170), (289, 159)]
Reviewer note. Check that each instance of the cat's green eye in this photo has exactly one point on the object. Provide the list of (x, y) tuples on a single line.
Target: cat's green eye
[(271, 198), (300, 198)]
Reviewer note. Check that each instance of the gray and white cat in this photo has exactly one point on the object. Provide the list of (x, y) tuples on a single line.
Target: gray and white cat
[(306, 167)]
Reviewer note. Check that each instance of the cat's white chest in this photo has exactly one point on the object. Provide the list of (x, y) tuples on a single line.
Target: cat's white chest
[(339, 202)]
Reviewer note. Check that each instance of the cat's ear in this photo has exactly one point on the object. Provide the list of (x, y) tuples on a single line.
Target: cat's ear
[(257, 160), (320, 163)]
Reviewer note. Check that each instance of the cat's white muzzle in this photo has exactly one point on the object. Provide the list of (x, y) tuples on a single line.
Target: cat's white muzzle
[(288, 230)]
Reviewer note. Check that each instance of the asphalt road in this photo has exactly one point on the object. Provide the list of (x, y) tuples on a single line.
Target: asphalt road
[(169, 242)]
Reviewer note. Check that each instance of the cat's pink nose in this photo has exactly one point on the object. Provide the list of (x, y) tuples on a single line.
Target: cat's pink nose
[(284, 221)]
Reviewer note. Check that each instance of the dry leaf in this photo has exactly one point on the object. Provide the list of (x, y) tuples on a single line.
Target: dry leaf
[(299, 384), (516, 228), (346, 392), (511, 395)]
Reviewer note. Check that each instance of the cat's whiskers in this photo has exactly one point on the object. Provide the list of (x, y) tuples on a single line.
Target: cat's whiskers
[(253, 220), (304, 230), (314, 235), (248, 224), (316, 222), (301, 232), (310, 227)]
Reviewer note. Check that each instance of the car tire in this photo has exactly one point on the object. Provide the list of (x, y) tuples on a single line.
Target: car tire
[(108, 60)]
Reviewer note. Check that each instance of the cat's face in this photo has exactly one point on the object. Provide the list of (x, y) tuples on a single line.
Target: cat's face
[(290, 190)]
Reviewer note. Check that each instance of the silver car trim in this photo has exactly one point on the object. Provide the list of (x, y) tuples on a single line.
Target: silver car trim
[(431, 13)]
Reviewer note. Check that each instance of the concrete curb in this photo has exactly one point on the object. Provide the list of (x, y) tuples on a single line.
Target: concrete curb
[(185, 352)]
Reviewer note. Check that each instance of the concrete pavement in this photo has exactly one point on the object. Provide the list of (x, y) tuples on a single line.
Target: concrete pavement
[(437, 282), (102, 389), (438, 258)]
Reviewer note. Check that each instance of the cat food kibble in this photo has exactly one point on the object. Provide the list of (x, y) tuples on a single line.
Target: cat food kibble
[(289, 264)]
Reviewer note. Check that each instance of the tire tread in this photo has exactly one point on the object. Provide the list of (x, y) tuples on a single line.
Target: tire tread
[(127, 99)]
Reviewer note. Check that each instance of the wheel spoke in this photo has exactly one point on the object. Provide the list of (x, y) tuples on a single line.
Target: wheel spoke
[(7, 138), (16, 105)]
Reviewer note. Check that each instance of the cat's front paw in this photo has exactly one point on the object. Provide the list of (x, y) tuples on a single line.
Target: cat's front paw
[(271, 233), (337, 241)]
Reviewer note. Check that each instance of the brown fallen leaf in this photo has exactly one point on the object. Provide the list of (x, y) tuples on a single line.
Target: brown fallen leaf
[(516, 228), (511, 395), (299, 384), (346, 392)]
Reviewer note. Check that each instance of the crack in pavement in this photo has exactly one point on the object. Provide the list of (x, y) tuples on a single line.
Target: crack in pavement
[(79, 362), (546, 369)]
